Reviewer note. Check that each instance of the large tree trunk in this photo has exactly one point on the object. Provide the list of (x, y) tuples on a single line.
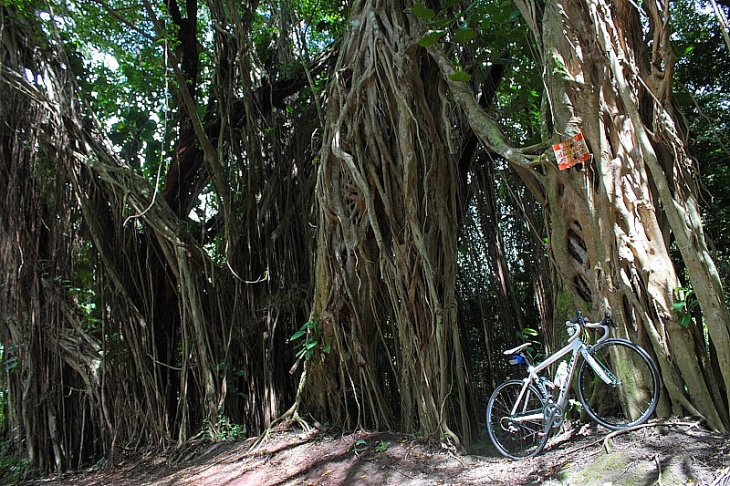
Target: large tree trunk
[(386, 262), (623, 105), (609, 237)]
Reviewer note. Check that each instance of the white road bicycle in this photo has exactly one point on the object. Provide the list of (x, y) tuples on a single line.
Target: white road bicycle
[(617, 384)]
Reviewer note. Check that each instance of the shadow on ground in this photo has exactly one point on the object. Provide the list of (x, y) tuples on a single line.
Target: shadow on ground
[(668, 454)]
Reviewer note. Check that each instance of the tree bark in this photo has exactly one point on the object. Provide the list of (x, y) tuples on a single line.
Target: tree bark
[(386, 261)]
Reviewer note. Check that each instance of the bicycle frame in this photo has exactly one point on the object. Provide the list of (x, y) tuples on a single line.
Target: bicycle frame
[(574, 347)]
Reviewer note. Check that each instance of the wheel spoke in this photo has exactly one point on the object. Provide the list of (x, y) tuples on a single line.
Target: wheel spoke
[(512, 437)]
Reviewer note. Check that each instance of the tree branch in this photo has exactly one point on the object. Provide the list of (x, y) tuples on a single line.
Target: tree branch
[(484, 127), (525, 161)]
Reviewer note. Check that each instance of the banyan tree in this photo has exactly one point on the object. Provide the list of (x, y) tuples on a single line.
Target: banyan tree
[(265, 212)]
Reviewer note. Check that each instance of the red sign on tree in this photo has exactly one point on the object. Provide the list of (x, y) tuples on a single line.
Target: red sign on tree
[(572, 151)]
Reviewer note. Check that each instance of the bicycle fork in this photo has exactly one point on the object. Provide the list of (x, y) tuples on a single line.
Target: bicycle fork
[(603, 373)]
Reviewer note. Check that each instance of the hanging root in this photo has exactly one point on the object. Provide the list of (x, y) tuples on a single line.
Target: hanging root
[(291, 416)]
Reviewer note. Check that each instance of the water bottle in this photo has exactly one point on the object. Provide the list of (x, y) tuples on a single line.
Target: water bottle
[(561, 375)]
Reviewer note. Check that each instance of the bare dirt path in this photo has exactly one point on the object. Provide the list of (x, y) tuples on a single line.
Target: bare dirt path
[(670, 454)]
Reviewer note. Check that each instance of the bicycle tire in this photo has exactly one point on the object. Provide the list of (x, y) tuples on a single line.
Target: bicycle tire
[(517, 440), (631, 402)]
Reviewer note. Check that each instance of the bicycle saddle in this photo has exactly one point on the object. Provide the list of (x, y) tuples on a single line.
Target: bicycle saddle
[(517, 349)]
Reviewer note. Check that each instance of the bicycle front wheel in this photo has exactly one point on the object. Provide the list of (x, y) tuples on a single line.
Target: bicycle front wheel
[(520, 434), (633, 393)]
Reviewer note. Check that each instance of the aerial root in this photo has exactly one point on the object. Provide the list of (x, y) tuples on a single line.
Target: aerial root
[(291, 418), (607, 441)]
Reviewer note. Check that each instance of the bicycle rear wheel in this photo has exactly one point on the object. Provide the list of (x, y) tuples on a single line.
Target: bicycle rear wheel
[(632, 397), (518, 435)]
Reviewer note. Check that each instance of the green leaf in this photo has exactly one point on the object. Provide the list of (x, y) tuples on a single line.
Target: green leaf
[(680, 306), (460, 77), (431, 38), (528, 331), (423, 12), (464, 35), (439, 24), (684, 320), (298, 334), (513, 15), (382, 446)]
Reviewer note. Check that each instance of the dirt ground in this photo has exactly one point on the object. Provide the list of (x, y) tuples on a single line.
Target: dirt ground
[(671, 453)]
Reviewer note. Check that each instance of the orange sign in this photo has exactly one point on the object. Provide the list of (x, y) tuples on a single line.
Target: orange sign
[(572, 151)]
